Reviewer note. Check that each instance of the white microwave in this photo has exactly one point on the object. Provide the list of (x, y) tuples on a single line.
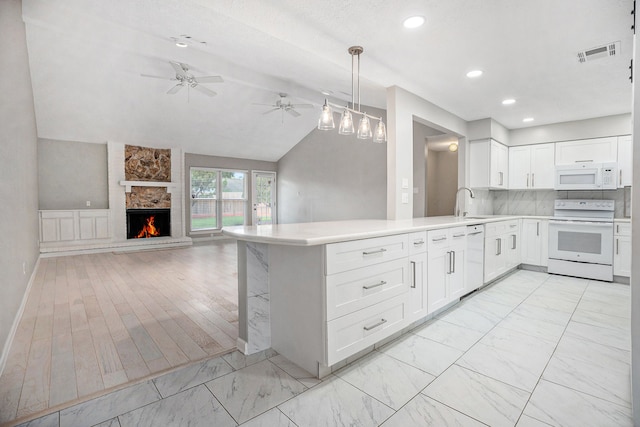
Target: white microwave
[(586, 176)]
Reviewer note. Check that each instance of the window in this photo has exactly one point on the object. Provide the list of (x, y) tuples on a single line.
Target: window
[(218, 198)]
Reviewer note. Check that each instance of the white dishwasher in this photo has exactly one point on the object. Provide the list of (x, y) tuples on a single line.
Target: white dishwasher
[(475, 257)]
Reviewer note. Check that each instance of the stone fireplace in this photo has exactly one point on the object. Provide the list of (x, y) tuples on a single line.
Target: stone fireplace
[(145, 182)]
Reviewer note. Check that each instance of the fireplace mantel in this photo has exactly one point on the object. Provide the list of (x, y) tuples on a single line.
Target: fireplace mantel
[(129, 184)]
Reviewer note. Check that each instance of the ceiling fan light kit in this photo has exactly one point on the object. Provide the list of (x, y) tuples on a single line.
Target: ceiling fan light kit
[(325, 122)]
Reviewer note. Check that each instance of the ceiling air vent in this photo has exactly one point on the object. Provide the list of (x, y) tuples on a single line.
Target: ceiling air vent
[(600, 52)]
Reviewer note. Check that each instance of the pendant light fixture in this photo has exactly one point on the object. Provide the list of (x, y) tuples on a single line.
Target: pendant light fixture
[(346, 120)]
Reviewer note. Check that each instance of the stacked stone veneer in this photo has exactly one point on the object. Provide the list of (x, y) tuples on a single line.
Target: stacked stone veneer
[(147, 164)]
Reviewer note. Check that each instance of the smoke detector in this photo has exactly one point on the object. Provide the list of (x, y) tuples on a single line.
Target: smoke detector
[(600, 52)]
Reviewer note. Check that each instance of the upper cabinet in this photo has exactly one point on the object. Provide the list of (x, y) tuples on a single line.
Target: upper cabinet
[(625, 161), (597, 150), (531, 166), (489, 165)]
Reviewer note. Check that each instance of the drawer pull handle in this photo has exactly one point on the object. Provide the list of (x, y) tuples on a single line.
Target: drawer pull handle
[(418, 242), (439, 239), (382, 283), (381, 322), (459, 235), (379, 251)]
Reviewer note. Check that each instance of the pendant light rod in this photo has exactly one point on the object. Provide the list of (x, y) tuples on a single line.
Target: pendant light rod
[(355, 52)]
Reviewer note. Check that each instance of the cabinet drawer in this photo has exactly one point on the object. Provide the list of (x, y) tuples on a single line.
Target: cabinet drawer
[(352, 333), (438, 239), (622, 229), (363, 253), (356, 289), (417, 242), (493, 229)]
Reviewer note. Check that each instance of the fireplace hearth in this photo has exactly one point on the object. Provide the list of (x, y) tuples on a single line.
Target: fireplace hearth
[(148, 223)]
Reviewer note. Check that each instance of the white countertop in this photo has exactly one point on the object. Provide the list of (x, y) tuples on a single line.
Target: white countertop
[(320, 233)]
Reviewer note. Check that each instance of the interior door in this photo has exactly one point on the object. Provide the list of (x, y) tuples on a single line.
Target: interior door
[(263, 198)]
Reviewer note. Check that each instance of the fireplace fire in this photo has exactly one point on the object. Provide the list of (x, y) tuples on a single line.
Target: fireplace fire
[(147, 223)]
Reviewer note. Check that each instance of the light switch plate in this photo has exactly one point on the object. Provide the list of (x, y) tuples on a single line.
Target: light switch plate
[(405, 182), (405, 198)]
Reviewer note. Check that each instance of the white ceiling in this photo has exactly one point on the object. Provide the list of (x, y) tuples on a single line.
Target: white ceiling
[(87, 56)]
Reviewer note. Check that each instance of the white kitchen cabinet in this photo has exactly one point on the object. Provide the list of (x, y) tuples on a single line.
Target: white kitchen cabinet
[(445, 266), (535, 243), (531, 166), (501, 248), (622, 249), (597, 150), (625, 161), (417, 297), (489, 166)]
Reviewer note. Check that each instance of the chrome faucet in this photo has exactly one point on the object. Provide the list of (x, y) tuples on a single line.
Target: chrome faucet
[(456, 211)]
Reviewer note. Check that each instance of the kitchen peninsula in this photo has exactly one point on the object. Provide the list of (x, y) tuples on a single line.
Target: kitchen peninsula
[(321, 292)]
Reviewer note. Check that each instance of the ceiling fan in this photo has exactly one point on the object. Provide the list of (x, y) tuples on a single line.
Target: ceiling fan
[(186, 79), (285, 105)]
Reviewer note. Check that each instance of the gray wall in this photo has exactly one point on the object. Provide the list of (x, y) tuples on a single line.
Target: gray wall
[(72, 173), (442, 182), (18, 169), (328, 177), (420, 133), (204, 161)]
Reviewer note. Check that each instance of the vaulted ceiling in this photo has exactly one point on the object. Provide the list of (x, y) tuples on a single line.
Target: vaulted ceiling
[(87, 57)]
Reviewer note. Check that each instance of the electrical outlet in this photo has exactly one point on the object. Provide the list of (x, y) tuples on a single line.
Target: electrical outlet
[(88, 202)]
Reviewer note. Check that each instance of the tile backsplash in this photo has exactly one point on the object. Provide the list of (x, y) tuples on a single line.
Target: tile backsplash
[(540, 202)]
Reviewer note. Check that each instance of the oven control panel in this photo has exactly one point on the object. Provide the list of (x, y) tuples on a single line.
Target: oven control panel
[(585, 205)]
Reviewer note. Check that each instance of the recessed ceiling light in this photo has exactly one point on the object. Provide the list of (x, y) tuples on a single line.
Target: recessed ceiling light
[(508, 101), (181, 44), (413, 22), (527, 119), (474, 73)]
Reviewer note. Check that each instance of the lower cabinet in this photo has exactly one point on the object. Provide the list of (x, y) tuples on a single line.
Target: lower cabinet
[(445, 266), (501, 248), (73, 225), (622, 250), (535, 242)]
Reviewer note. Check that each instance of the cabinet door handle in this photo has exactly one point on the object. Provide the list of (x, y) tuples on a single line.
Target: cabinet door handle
[(537, 228), (459, 235), (413, 268), (367, 287), (381, 322), (439, 239), (418, 242), (620, 185), (527, 180), (617, 228), (453, 269), (533, 180), (617, 246), (497, 246), (448, 262), (501, 177), (379, 251), (513, 243)]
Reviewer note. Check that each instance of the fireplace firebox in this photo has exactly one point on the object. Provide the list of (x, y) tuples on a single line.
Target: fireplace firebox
[(147, 223)]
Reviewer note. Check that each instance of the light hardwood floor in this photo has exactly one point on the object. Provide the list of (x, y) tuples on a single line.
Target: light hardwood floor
[(96, 322)]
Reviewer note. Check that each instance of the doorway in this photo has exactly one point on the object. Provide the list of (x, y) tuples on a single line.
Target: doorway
[(263, 198), (442, 175)]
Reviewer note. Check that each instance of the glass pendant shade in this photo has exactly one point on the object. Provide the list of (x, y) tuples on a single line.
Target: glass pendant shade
[(325, 122), (346, 124), (380, 134), (364, 128)]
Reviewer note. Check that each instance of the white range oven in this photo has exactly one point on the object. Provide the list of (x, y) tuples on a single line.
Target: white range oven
[(581, 239)]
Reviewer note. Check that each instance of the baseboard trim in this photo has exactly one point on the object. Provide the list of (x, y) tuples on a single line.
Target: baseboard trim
[(16, 321), (242, 345)]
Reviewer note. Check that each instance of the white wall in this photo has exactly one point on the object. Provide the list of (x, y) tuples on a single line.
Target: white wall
[(18, 170), (402, 109), (635, 245), (568, 131), (328, 176)]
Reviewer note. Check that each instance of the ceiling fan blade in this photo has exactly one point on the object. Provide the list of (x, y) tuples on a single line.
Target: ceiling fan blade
[(156, 77), (204, 90), (209, 79), (271, 111), (180, 68), (293, 112), (264, 105), (302, 105), (175, 89)]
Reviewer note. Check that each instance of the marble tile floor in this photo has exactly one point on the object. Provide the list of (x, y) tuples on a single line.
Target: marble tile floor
[(552, 351), (98, 322)]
